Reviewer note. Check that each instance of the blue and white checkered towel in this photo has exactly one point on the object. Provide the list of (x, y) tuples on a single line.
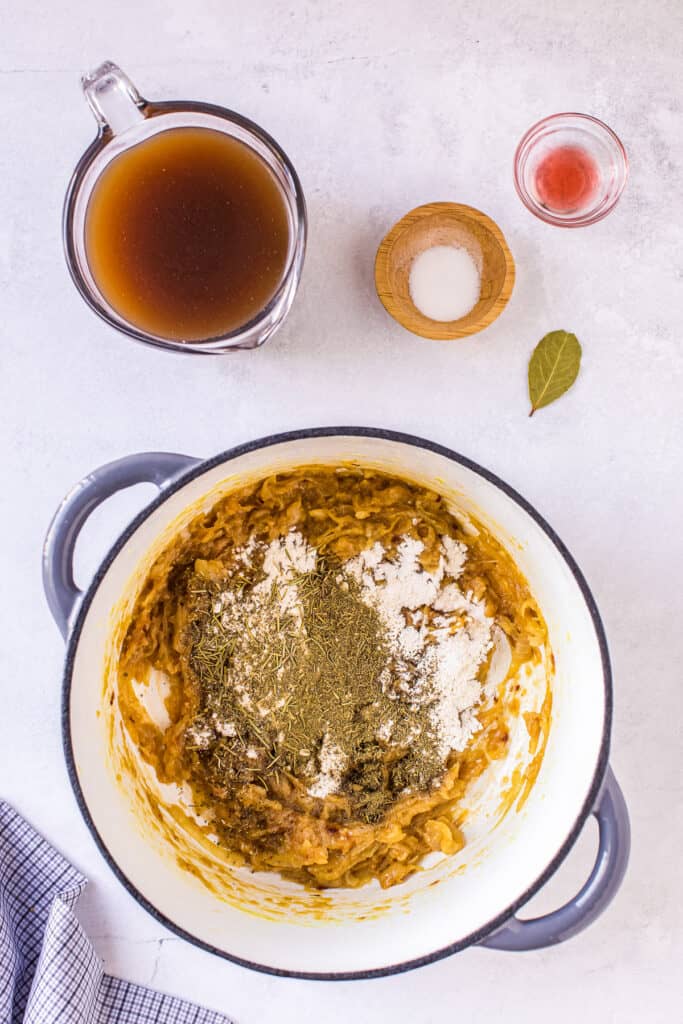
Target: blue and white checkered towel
[(49, 972)]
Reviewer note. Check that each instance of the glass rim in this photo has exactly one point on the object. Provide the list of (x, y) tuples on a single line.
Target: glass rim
[(532, 206), (291, 274)]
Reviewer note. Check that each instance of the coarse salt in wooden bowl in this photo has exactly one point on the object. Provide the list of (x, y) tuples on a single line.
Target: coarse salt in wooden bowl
[(444, 224)]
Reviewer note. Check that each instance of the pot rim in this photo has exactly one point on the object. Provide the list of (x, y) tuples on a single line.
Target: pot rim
[(267, 442)]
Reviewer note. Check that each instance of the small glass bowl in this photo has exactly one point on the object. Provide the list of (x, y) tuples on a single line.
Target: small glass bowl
[(586, 133)]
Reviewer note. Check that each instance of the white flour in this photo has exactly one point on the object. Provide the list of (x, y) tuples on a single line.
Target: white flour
[(284, 558), (332, 764), (443, 657)]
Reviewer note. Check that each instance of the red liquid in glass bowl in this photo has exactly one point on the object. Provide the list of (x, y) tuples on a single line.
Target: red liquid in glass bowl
[(567, 178)]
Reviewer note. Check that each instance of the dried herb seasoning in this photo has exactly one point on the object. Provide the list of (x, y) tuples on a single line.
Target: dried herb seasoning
[(280, 687)]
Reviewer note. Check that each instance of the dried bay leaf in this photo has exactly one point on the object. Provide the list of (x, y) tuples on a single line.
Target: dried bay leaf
[(553, 368)]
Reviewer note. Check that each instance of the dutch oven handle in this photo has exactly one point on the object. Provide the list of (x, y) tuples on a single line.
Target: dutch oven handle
[(607, 875), (158, 468)]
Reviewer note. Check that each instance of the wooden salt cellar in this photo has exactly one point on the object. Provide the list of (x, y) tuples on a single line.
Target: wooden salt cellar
[(444, 224)]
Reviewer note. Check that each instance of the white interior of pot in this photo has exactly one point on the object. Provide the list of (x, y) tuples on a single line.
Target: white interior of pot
[(454, 897)]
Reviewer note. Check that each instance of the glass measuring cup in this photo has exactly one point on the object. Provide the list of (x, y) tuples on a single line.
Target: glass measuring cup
[(125, 119)]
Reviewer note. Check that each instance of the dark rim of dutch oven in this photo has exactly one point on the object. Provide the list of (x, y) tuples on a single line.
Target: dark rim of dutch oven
[(266, 442)]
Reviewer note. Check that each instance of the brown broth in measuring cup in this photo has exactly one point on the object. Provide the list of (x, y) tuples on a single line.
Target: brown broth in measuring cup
[(186, 234)]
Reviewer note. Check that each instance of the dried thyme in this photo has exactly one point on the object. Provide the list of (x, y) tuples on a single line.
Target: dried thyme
[(303, 687)]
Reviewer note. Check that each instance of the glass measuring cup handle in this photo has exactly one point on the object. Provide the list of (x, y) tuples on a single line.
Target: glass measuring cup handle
[(113, 99)]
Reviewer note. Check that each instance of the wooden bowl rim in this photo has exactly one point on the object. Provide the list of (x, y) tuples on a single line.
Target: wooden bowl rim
[(442, 330)]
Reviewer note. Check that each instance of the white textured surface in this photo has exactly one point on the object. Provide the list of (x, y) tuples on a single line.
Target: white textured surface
[(381, 107)]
